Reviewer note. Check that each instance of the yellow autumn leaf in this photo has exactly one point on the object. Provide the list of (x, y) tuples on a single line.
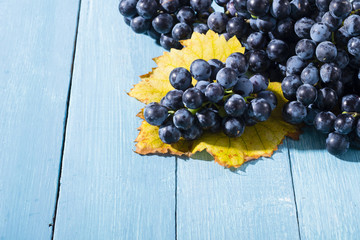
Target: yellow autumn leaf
[(257, 141)]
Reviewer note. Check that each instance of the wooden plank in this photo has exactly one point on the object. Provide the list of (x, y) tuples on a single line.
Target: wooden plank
[(256, 202), (107, 191), (37, 41), (327, 189)]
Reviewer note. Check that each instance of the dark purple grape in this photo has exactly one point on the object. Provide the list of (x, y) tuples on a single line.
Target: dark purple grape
[(306, 94), (233, 127), (289, 86), (337, 144), (163, 23), (344, 123), (258, 7), (155, 114), (324, 122), (294, 112), (327, 99), (127, 8)]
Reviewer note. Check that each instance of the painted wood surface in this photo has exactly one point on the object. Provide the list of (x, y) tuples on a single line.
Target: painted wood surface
[(255, 202), (37, 40), (327, 189), (107, 191)]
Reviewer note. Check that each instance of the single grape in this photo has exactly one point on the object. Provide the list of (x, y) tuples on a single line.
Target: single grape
[(353, 46), (260, 82), (146, 8), (217, 22), (186, 15), (342, 59), (277, 50), (169, 134), (310, 75), (193, 98), (227, 77), (306, 94), (237, 62), (155, 114), (285, 29), (180, 78), (201, 28), (329, 72), (356, 5), (200, 69), (326, 52), (173, 99), (320, 32), (280, 9), (181, 31), (259, 109), (294, 112), (357, 130), (330, 21), (302, 27), (200, 5), (256, 41), (327, 99), (207, 118), (233, 127), (163, 23), (127, 8), (258, 7), (194, 132), (266, 23), (324, 121), (337, 144), (344, 123), (295, 65), (168, 42), (243, 87), (350, 103), (235, 105), (170, 6), (289, 85), (338, 87), (258, 61), (311, 112), (305, 49), (340, 8), (268, 96), (214, 92), (352, 25), (139, 24), (183, 119), (237, 26)]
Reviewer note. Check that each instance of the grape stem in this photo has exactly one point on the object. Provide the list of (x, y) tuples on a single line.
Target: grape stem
[(354, 114), (171, 112)]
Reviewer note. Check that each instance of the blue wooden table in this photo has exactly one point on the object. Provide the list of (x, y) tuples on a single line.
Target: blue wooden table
[(67, 166)]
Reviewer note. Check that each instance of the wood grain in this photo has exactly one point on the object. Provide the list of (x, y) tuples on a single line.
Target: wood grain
[(327, 189), (255, 202), (37, 41), (107, 190)]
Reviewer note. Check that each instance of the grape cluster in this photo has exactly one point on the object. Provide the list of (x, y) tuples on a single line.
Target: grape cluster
[(311, 46), (224, 98), (167, 21), (322, 81)]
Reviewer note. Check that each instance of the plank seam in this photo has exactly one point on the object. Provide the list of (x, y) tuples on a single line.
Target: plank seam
[(293, 187), (176, 178), (65, 123)]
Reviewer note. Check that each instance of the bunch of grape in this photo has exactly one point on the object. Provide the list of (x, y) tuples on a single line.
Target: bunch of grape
[(224, 98), (323, 78), (167, 21)]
